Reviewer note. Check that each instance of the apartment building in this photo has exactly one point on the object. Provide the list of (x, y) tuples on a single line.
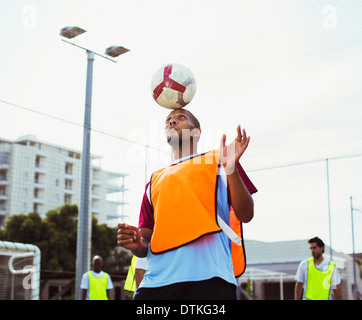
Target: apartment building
[(37, 176)]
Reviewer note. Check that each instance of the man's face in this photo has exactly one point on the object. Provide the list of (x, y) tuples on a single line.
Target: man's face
[(315, 250), (97, 265), (178, 127)]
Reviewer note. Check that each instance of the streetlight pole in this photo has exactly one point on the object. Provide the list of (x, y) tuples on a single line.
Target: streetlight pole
[(84, 219), (356, 293)]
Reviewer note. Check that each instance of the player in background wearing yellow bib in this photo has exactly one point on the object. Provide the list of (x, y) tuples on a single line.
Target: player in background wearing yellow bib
[(316, 277), (96, 284)]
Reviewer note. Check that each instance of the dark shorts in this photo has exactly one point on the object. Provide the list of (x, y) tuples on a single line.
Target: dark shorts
[(211, 289)]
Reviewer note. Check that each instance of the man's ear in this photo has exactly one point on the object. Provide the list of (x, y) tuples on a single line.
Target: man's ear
[(196, 133)]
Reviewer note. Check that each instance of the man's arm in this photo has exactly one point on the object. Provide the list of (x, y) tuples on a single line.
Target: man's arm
[(110, 294), (241, 200), (84, 294), (337, 292), (298, 290)]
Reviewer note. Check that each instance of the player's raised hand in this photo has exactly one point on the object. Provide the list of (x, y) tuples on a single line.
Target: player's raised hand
[(230, 154)]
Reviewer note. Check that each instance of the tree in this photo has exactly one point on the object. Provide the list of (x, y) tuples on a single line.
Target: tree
[(59, 247), (24, 228), (56, 237)]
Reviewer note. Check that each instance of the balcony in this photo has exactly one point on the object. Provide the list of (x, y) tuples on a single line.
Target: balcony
[(113, 188), (68, 186), (3, 177), (38, 207), (115, 182), (40, 169), (40, 163), (74, 155), (96, 192), (39, 201), (39, 195), (69, 168), (2, 207), (95, 206), (4, 159), (4, 166), (39, 179), (3, 193), (68, 198)]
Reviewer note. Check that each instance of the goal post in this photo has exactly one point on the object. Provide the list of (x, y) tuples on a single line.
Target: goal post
[(19, 271)]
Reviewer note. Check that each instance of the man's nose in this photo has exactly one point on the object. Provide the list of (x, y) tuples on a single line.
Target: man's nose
[(172, 121)]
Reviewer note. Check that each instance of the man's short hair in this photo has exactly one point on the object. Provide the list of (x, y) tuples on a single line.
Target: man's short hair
[(194, 120), (318, 241)]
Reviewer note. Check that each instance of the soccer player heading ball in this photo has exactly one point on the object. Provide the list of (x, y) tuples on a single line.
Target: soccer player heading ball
[(190, 219)]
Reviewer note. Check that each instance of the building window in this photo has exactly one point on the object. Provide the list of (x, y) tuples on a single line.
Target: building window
[(72, 154), (3, 176), (2, 190), (68, 184), (68, 198), (38, 193), (39, 178), (68, 168), (4, 158), (37, 161)]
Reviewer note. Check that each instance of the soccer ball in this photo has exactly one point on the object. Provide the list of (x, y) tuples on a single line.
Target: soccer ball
[(173, 86)]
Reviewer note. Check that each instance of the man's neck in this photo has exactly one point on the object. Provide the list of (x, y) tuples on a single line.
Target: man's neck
[(178, 153), (319, 260)]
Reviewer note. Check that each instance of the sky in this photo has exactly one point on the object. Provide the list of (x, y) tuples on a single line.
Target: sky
[(288, 71)]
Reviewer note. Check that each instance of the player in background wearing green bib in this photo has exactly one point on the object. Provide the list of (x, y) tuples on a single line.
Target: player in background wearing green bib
[(317, 276), (96, 284)]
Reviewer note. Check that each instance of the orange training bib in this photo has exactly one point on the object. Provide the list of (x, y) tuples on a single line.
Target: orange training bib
[(183, 199)]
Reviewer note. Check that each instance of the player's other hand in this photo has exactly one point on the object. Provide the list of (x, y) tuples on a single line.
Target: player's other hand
[(128, 237)]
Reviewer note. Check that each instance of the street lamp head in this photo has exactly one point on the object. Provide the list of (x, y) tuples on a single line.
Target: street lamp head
[(71, 32), (115, 51)]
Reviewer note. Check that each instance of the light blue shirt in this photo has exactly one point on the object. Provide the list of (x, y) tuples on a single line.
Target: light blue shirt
[(208, 257)]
